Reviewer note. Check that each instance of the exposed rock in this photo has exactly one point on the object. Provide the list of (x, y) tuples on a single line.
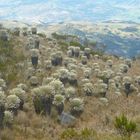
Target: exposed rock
[(67, 119)]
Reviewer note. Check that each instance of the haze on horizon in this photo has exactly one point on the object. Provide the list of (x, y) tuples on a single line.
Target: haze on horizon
[(70, 10)]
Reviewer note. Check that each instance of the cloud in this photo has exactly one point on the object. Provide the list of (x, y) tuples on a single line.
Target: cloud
[(10, 2), (59, 10)]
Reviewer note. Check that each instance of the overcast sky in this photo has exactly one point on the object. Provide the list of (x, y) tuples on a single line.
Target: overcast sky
[(65, 10)]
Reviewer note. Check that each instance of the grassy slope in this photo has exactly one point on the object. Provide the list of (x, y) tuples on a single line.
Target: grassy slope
[(27, 125)]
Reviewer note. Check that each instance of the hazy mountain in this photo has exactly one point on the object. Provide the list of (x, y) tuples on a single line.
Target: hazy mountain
[(67, 10), (120, 39)]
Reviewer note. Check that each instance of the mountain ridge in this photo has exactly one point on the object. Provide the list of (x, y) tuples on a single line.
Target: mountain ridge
[(120, 38)]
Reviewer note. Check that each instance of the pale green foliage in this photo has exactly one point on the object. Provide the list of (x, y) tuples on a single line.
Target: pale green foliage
[(70, 92), (127, 79), (84, 81), (137, 79), (73, 134), (72, 66), (43, 91), (95, 66), (87, 72), (84, 58), (123, 68), (48, 64), (22, 86), (2, 83), (69, 53), (8, 118), (102, 87), (34, 80), (109, 63), (63, 73), (19, 92), (47, 80), (72, 76), (125, 127), (57, 86), (88, 88), (58, 99), (128, 62), (2, 98), (77, 104), (12, 101), (87, 50)]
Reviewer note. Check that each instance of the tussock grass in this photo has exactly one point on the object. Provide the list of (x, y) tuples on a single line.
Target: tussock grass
[(97, 116)]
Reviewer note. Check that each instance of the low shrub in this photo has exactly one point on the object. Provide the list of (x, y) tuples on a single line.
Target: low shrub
[(73, 134), (125, 127)]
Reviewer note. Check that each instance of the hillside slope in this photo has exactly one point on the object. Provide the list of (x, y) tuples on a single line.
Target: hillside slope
[(53, 78)]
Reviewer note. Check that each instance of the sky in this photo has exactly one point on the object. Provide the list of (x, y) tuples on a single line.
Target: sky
[(69, 10)]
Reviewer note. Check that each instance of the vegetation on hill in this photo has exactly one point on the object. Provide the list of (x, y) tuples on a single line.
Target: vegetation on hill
[(9, 59), (56, 89)]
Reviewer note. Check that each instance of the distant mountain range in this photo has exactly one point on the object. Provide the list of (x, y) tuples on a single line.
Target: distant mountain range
[(114, 23), (50, 11), (120, 38)]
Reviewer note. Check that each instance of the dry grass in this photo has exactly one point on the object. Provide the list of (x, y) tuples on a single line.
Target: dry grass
[(97, 115)]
